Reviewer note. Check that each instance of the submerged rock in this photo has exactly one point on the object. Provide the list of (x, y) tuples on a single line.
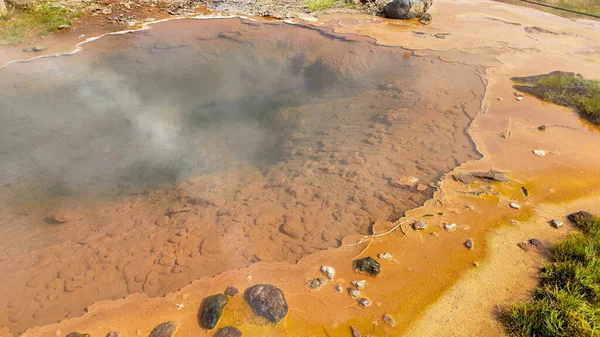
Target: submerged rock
[(406, 9), (359, 284), (367, 265), (228, 331), (491, 175), (211, 310), (385, 256), (268, 301), (450, 227), (515, 205), (114, 334), (77, 334), (420, 225), (353, 293), (166, 329), (525, 245), (389, 320), (557, 223), (355, 332), (469, 244), (364, 302)]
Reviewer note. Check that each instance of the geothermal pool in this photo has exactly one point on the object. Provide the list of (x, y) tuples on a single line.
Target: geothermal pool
[(151, 159)]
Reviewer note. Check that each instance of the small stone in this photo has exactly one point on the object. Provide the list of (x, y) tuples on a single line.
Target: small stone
[(367, 265), (469, 244), (385, 256), (519, 98), (77, 334), (339, 288), (539, 153), (114, 334), (500, 98), (542, 127), (353, 293), (211, 310), (231, 291), (328, 271), (450, 227), (166, 329), (316, 283), (525, 245), (425, 19), (268, 301), (580, 216), (364, 302), (228, 331), (536, 242), (476, 264), (355, 332), (420, 225), (519, 94), (35, 49), (557, 223), (57, 333), (359, 284), (63, 27), (389, 320), (515, 205)]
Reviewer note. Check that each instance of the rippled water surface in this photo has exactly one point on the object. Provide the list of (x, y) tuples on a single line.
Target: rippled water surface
[(153, 158)]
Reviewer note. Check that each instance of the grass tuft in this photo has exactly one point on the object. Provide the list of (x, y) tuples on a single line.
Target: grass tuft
[(567, 89), (567, 301), (319, 5), (41, 19)]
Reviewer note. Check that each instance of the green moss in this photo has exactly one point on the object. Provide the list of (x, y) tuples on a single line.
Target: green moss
[(319, 5), (41, 19), (567, 89), (567, 301)]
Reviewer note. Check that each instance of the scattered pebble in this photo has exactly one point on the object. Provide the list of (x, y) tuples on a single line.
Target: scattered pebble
[(355, 332), (231, 291), (469, 244), (359, 284), (114, 334), (367, 265), (500, 98), (178, 306), (539, 153), (536, 242), (57, 333), (519, 98), (353, 292), (389, 320), (385, 256), (364, 302), (166, 329), (450, 227), (211, 310), (519, 94), (328, 271), (557, 223), (77, 334), (267, 301), (515, 205), (316, 283), (420, 225), (228, 331), (542, 127), (35, 49), (339, 288), (525, 245), (476, 264)]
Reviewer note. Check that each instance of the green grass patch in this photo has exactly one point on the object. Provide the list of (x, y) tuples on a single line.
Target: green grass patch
[(582, 6), (319, 5), (41, 19), (567, 89), (567, 300)]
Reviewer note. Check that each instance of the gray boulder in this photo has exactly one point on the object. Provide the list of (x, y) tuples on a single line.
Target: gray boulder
[(267, 301), (406, 9)]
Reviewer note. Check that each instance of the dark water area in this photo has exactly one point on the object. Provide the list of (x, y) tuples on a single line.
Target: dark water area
[(150, 159)]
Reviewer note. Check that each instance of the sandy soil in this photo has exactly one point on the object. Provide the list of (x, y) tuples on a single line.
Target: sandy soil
[(422, 277)]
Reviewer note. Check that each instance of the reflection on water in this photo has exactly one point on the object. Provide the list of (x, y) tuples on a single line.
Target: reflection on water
[(154, 158)]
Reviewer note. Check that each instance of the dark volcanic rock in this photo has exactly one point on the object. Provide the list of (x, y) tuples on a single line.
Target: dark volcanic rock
[(211, 310), (406, 9), (367, 265), (268, 301), (231, 291), (580, 216), (166, 329), (228, 331)]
